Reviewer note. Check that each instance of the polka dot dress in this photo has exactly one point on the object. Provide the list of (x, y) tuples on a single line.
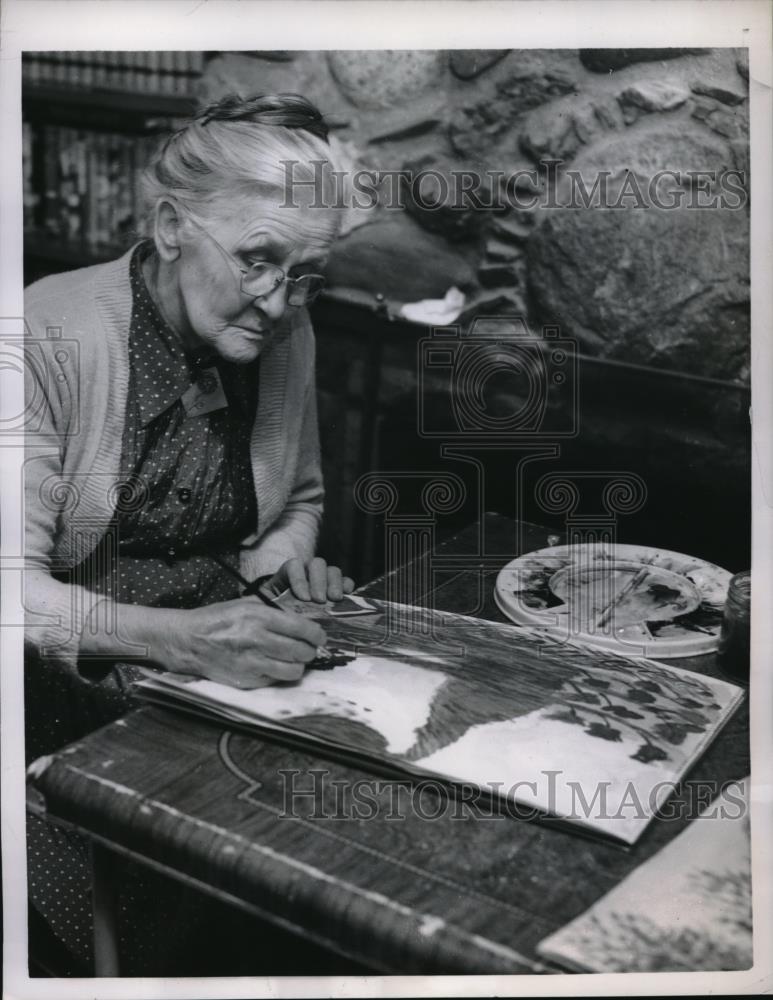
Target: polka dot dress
[(187, 491), (188, 479)]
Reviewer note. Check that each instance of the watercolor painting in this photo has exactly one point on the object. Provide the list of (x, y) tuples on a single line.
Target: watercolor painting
[(586, 735), (642, 925)]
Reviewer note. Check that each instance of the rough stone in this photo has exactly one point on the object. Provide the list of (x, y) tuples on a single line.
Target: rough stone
[(740, 151), (586, 124), (667, 288), (438, 203), (702, 108), (553, 137), (469, 63), (589, 120), (407, 127), (399, 259), (742, 65), (338, 122), (652, 147), (604, 60), (499, 251), (649, 96), (497, 302), (271, 55), (622, 169), (231, 73), (349, 159), (722, 94), (409, 120), (382, 78), (732, 123), (521, 83), (651, 286), (493, 275), (560, 130), (724, 123), (506, 227), (607, 114)]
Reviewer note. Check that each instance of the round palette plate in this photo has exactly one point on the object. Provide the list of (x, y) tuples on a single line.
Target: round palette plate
[(630, 598)]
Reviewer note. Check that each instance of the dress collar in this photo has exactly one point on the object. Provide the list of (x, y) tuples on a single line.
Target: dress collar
[(161, 368)]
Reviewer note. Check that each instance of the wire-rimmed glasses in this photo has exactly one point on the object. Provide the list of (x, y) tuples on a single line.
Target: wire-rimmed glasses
[(262, 277)]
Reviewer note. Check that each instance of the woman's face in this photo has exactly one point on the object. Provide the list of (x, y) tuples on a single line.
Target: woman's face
[(215, 309)]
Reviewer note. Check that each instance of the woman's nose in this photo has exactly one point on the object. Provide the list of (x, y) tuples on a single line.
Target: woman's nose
[(274, 303)]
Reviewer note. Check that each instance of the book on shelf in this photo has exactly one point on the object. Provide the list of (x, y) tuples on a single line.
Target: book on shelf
[(30, 198), (89, 183), (593, 739), (50, 143), (70, 185)]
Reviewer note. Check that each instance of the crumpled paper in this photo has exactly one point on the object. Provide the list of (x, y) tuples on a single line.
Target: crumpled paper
[(435, 312)]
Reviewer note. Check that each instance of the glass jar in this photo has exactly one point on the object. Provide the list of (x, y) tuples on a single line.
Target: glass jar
[(735, 637)]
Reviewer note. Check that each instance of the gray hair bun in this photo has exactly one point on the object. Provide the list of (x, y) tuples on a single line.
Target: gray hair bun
[(286, 110)]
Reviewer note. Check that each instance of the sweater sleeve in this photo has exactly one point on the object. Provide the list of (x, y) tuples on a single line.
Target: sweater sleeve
[(294, 533), (55, 612)]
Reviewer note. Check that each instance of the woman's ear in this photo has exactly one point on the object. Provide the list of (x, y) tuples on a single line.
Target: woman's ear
[(167, 230)]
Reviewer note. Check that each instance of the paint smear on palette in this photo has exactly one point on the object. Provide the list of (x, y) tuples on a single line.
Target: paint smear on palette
[(370, 690)]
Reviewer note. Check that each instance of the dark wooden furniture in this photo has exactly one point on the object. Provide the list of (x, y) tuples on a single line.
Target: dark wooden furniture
[(426, 884), (688, 438)]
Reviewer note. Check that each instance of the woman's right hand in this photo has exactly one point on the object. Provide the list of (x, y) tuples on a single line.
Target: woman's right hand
[(243, 643)]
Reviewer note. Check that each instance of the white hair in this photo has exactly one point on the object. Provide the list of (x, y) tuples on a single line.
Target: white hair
[(212, 159)]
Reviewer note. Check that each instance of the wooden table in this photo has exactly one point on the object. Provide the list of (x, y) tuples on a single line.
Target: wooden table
[(401, 891)]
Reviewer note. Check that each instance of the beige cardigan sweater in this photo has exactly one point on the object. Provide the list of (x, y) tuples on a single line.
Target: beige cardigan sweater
[(77, 329)]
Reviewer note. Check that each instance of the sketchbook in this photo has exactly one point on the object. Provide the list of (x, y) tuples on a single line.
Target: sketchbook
[(687, 909), (588, 736)]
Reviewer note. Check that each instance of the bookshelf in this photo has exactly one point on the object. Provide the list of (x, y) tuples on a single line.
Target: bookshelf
[(97, 108), (90, 121)]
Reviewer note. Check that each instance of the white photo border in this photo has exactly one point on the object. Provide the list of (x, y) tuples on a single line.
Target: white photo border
[(362, 24)]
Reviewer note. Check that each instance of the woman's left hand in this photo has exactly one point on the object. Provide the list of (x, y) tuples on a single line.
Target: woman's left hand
[(311, 581)]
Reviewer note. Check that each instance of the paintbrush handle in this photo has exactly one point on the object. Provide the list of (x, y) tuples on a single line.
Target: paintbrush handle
[(321, 653), (254, 589), (624, 591)]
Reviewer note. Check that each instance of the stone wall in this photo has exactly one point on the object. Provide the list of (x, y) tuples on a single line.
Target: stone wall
[(637, 282)]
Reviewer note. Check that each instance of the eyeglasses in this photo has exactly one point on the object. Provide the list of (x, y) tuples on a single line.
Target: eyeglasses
[(262, 278)]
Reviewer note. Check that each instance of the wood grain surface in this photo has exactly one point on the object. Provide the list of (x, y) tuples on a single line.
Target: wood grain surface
[(470, 890)]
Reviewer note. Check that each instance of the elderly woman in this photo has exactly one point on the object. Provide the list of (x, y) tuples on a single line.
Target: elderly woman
[(175, 455)]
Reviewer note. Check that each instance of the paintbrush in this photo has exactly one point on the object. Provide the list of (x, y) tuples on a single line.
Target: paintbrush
[(325, 659), (621, 595)]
